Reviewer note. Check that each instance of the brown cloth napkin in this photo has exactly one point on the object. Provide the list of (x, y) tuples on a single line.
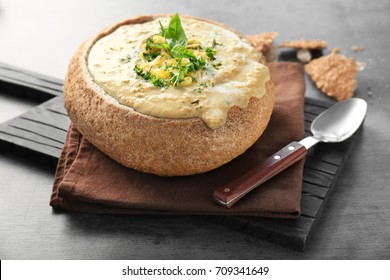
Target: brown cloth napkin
[(89, 181)]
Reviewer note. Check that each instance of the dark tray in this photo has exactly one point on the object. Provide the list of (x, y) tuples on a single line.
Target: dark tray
[(40, 134)]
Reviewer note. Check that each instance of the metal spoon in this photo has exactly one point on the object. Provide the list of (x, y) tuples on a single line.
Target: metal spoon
[(335, 124)]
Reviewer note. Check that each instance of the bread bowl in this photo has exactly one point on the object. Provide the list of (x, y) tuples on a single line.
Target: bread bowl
[(166, 141)]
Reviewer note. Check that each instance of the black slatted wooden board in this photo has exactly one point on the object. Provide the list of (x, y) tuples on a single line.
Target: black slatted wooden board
[(40, 134)]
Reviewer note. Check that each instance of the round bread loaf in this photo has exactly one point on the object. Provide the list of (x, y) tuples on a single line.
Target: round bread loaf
[(162, 146)]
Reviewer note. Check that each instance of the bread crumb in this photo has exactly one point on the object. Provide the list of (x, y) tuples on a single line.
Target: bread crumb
[(357, 48), (304, 55), (335, 50), (361, 65), (305, 44), (334, 74)]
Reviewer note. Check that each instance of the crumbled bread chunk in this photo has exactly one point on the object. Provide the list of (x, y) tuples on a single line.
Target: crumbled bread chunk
[(263, 43), (334, 74), (305, 44)]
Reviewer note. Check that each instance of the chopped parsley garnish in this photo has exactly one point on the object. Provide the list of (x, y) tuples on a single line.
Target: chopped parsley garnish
[(216, 64), (215, 43), (159, 82), (144, 74), (210, 53), (150, 56), (170, 59), (126, 59)]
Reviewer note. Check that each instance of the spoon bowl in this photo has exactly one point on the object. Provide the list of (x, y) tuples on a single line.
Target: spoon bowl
[(340, 121)]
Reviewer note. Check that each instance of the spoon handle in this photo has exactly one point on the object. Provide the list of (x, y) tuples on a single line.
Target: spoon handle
[(229, 194)]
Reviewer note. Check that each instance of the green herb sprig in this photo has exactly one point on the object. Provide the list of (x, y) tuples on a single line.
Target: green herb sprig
[(175, 42), (174, 34)]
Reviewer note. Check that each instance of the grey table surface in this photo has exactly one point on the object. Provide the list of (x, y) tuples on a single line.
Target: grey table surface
[(42, 35)]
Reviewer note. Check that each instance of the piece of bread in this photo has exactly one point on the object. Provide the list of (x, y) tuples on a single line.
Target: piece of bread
[(263, 43), (334, 74), (162, 146), (305, 44)]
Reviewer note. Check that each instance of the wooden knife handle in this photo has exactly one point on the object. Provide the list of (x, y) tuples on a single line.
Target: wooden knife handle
[(229, 194)]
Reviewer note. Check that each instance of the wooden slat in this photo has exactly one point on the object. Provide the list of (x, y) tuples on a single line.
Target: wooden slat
[(31, 82), (318, 164), (313, 109), (310, 205), (314, 190), (307, 125), (28, 79), (57, 107), (33, 92), (309, 102), (4, 68), (310, 117), (38, 135), (56, 134), (288, 228), (37, 138), (325, 152), (317, 177), (258, 229), (47, 117), (29, 144)]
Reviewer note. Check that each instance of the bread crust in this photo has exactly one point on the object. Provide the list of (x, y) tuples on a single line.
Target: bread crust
[(162, 146)]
